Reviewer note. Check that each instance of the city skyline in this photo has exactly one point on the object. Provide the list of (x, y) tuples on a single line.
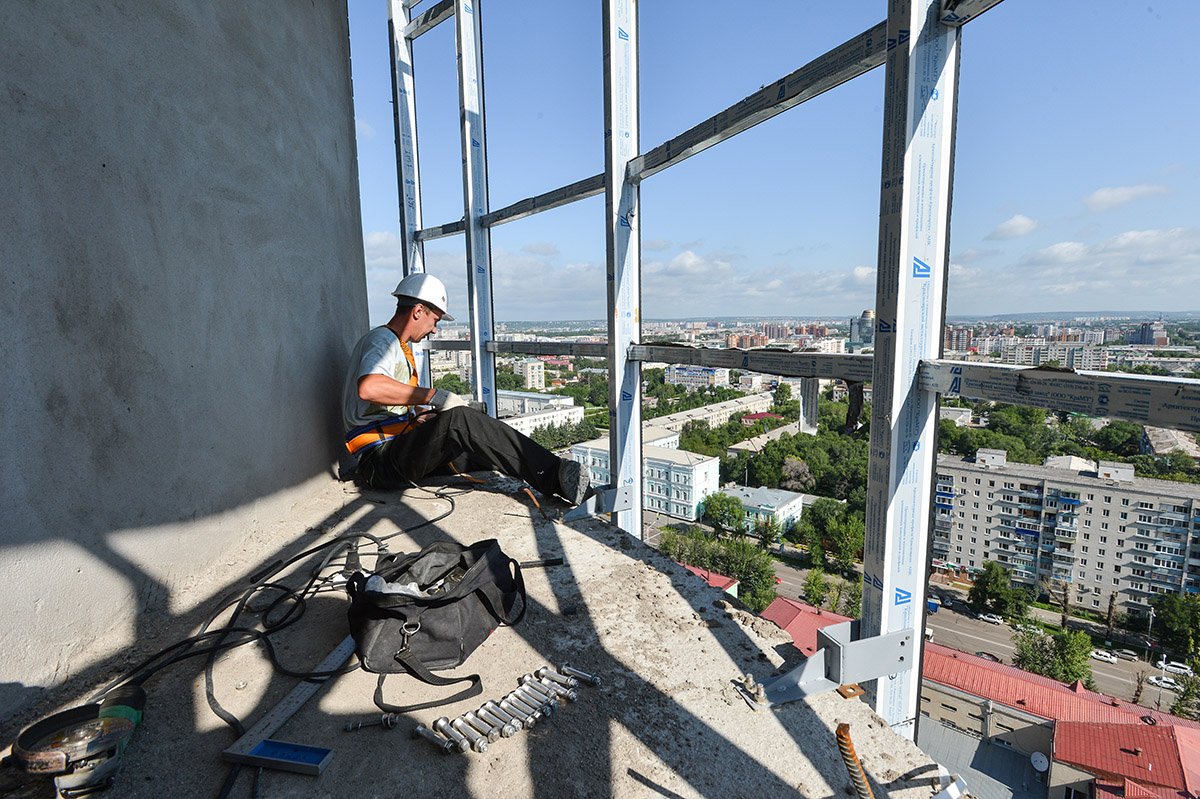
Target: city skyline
[(1061, 197)]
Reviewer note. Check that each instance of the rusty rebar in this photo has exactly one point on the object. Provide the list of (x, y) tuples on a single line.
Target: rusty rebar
[(853, 764)]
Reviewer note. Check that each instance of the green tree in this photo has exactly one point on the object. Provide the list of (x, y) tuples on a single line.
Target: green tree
[(1063, 656), (847, 536), (452, 383), (992, 590), (768, 532), (1187, 704), (507, 379), (852, 605), (816, 587), (1177, 622), (724, 512), (737, 558)]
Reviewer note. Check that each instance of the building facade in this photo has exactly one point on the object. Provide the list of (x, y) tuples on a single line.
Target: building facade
[(674, 482), (526, 423), (718, 413), (513, 403), (1098, 527), (762, 504), (533, 372), (696, 377)]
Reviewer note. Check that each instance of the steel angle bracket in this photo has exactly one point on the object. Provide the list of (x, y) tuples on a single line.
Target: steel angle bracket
[(842, 658), (606, 499)]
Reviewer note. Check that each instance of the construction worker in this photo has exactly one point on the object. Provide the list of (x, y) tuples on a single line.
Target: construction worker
[(393, 441)]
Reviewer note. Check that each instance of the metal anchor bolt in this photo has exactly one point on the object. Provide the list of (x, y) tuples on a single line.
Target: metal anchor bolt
[(443, 726), (538, 690), (524, 704), (507, 730), (527, 720), (502, 714), (478, 742), (447, 746), (562, 679), (482, 727), (571, 671), (529, 697), (556, 690), (387, 721)]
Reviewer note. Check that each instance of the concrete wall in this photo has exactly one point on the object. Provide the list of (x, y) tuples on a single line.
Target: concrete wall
[(183, 278)]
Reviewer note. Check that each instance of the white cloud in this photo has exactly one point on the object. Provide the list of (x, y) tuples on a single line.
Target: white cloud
[(1064, 252), (1112, 196), (1015, 227), (541, 248), (363, 128)]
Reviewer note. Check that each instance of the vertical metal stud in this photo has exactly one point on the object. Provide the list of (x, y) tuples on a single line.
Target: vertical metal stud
[(404, 121), (918, 148), (623, 250), (468, 36)]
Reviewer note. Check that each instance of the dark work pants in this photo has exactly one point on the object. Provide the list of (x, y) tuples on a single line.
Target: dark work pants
[(466, 438)]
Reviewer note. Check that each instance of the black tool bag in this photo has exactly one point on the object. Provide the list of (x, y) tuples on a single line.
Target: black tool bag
[(466, 592)]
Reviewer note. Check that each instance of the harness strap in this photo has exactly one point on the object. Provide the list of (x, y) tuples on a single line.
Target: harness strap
[(375, 433)]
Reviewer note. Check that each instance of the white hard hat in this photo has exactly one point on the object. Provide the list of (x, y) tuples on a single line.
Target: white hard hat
[(426, 288)]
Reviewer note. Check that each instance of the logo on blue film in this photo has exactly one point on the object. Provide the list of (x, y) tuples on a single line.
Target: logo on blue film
[(779, 94), (480, 269), (475, 142), (468, 9), (956, 385), (903, 36), (626, 396), (622, 34), (745, 361), (623, 221), (903, 597), (872, 580), (920, 268), (885, 327), (487, 390)]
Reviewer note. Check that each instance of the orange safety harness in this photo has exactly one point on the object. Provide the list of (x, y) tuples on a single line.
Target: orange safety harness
[(375, 433)]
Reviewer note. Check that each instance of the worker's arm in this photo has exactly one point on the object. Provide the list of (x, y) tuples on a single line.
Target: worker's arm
[(383, 390)]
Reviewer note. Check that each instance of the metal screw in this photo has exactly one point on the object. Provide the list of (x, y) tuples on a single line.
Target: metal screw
[(387, 721), (443, 726), (502, 714), (527, 720), (571, 671), (478, 742), (524, 703), (538, 689), (507, 730), (570, 694), (447, 746), (562, 679), (484, 728), (748, 682), (546, 708)]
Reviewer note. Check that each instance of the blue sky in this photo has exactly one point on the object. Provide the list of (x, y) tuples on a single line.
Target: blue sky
[(1076, 182)]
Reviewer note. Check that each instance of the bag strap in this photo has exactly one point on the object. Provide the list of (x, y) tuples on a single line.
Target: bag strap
[(417, 669), (494, 599)]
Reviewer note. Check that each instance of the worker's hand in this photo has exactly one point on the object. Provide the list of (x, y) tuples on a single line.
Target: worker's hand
[(443, 400)]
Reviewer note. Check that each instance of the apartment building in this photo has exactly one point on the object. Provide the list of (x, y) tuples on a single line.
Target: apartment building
[(718, 413), (1097, 526), (553, 416), (674, 482), (533, 372), (762, 504), (512, 403), (1067, 355), (696, 377)]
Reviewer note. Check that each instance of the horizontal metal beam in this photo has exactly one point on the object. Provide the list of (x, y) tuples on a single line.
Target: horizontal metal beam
[(1160, 401), (441, 231), (579, 190), (956, 13), (853, 368), (586, 350), (848, 60), (429, 19)]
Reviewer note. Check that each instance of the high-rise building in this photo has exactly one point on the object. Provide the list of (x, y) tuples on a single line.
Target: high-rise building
[(533, 372), (1097, 527)]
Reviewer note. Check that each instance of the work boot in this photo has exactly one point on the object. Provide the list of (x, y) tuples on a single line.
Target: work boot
[(573, 480)]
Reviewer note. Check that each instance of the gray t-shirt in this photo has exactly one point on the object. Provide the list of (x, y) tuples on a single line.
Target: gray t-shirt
[(377, 353)]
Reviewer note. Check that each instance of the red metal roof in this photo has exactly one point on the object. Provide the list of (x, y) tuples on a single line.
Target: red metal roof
[(1033, 693), (712, 578), (800, 621), (1147, 755)]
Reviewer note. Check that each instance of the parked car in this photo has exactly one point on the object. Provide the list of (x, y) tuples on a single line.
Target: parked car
[(1105, 655), (1163, 682), (1127, 654), (1174, 667), (988, 656), (991, 618)]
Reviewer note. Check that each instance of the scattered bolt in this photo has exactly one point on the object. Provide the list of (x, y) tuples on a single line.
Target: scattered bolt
[(507, 729), (544, 706), (571, 671), (482, 727), (570, 694), (502, 714), (760, 694), (446, 745), (524, 704), (561, 679), (387, 721), (748, 681), (538, 689), (443, 726), (478, 742), (527, 720)]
